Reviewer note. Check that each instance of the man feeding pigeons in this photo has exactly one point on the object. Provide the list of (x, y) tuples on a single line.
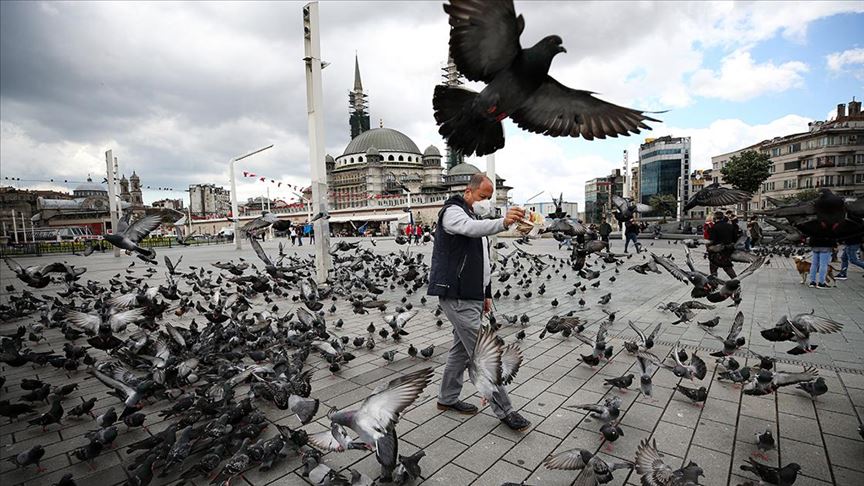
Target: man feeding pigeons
[(461, 277)]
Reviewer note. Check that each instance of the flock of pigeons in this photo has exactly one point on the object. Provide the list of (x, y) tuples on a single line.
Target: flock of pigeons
[(237, 347)]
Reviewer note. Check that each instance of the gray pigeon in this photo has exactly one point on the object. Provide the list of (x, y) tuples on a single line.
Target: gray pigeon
[(593, 469), (655, 472), (376, 418)]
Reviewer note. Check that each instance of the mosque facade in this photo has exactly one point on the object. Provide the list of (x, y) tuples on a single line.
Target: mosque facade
[(380, 166)]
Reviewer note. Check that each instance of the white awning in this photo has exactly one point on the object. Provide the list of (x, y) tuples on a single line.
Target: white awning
[(370, 217)]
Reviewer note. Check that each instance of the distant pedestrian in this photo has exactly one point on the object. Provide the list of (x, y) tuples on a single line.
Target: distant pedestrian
[(850, 255), (631, 234), (293, 233), (723, 236), (754, 234), (311, 234), (418, 234)]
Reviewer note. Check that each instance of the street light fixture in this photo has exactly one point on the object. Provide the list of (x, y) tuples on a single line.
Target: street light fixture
[(237, 241)]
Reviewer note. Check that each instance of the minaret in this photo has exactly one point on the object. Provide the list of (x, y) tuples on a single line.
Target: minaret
[(452, 78), (357, 104)]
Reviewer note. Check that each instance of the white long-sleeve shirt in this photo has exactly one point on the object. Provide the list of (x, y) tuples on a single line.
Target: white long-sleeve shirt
[(457, 222)]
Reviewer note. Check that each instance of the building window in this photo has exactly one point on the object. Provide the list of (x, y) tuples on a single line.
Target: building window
[(774, 152), (359, 159), (859, 178), (390, 158), (401, 159), (794, 147), (859, 159)]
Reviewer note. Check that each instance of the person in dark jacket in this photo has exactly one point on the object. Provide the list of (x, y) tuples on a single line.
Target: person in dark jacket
[(631, 233), (461, 278), (605, 230), (723, 236)]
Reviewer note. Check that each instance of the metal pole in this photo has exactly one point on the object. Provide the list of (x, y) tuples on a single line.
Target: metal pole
[(32, 230), (113, 204), (234, 216), (4, 229), (315, 110), (627, 183), (268, 210), (14, 226), (24, 226), (490, 173)]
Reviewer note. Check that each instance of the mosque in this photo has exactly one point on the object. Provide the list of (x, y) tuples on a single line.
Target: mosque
[(381, 165)]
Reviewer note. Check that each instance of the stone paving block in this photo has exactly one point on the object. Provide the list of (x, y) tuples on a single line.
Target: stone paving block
[(715, 464), (845, 452), (501, 470), (544, 404), (800, 429), (531, 388), (759, 407), (440, 453), (839, 424), (559, 423), (642, 416), (474, 428), (811, 458), (672, 439), (844, 476), (429, 431), (484, 453), (681, 413), (532, 450), (450, 475), (714, 435)]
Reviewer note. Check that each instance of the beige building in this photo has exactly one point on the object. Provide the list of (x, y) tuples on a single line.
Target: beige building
[(830, 154)]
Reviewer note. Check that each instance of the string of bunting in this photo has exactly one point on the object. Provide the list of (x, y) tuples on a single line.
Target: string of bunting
[(333, 195)]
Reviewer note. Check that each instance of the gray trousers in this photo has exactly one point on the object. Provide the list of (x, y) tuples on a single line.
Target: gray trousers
[(465, 317)]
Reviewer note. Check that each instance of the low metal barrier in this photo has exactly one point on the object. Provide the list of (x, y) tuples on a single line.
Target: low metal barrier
[(76, 247)]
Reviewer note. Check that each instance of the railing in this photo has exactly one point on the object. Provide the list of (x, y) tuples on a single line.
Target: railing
[(68, 247)]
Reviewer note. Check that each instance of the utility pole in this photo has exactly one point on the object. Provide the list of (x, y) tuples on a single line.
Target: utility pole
[(113, 204), (315, 111), (14, 226)]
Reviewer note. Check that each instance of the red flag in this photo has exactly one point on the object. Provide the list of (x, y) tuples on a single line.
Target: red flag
[(262, 179)]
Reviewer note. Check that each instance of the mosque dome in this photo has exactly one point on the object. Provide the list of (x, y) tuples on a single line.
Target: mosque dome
[(463, 169), (431, 151), (89, 188), (384, 139)]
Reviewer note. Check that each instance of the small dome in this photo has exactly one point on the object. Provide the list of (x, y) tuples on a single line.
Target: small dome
[(329, 158), (385, 139), (372, 151), (463, 169), (431, 151), (90, 186)]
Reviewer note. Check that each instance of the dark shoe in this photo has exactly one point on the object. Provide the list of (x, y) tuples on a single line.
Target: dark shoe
[(840, 277), (822, 286), (812, 284), (516, 422), (459, 407)]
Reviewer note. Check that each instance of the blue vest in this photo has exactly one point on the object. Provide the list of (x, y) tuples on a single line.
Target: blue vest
[(457, 261)]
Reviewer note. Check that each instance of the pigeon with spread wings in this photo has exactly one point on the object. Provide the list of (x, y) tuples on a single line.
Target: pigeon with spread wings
[(485, 46), (376, 419)]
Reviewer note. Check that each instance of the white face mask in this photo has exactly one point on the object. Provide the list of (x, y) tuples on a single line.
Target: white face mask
[(482, 208)]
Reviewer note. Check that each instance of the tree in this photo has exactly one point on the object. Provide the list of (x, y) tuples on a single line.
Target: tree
[(663, 204), (747, 170)]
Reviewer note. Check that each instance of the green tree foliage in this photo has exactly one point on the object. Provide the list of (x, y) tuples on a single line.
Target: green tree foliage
[(663, 204), (747, 170)]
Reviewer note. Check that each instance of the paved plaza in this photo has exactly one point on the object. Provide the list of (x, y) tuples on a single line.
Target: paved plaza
[(821, 435)]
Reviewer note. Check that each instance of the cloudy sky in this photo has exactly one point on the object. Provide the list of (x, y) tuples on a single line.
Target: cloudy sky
[(176, 89)]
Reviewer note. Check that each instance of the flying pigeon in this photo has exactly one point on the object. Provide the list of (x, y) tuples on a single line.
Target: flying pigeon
[(484, 44)]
